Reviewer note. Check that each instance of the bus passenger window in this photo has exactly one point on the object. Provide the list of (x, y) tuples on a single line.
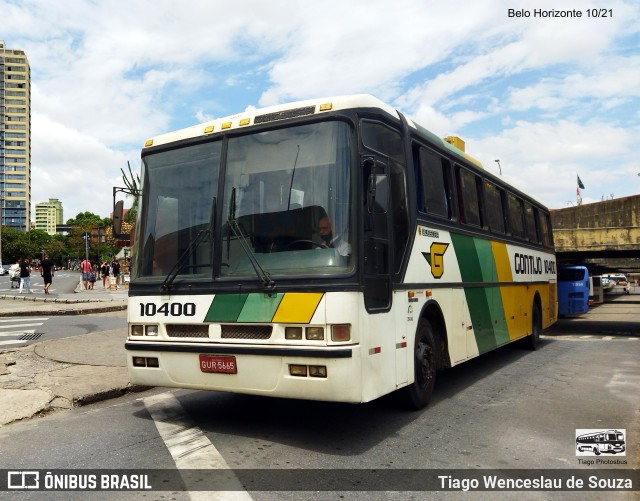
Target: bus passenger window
[(532, 229), (470, 203), (495, 213), (516, 216), (435, 193), (544, 224)]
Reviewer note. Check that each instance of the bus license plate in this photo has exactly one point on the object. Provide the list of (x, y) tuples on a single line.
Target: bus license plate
[(225, 364)]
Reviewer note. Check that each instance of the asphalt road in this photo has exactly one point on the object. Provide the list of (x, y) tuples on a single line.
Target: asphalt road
[(509, 409)]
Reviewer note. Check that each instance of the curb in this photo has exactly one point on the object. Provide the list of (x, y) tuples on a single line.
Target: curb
[(109, 394)]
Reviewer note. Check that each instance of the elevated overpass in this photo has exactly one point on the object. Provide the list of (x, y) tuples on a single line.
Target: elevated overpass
[(604, 236)]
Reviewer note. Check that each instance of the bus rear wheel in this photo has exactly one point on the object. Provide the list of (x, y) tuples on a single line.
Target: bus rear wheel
[(532, 341), (418, 394)]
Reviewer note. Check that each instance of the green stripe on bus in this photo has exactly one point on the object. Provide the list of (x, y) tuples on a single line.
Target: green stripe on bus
[(225, 307), (260, 308), (477, 265)]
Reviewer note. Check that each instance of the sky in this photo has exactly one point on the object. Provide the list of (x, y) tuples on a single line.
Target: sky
[(552, 98)]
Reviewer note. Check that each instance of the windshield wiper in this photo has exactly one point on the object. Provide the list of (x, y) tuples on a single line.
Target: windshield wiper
[(262, 274), (168, 281), (173, 273), (232, 221)]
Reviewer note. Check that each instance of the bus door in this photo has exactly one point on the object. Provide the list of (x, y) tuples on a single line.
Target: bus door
[(377, 280), (385, 236)]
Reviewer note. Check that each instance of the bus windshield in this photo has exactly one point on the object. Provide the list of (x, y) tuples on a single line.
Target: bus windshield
[(288, 202), (286, 207)]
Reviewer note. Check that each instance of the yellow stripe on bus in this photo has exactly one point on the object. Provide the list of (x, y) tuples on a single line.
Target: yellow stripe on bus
[(501, 258), (513, 296), (297, 307)]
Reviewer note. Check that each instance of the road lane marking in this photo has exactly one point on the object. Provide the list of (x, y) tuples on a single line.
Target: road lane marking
[(17, 333), (188, 445), (12, 342), (12, 326), (16, 319)]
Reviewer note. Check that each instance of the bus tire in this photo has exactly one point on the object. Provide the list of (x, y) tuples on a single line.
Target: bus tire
[(596, 451), (532, 341), (418, 393)]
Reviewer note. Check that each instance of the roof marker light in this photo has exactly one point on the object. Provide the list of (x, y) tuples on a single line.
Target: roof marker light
[(148, 142), (245, 121), (208, 129), (226, 125), (326, 106)]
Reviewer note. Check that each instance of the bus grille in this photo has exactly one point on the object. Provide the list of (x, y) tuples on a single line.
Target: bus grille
[(246, 331), (187, 330)]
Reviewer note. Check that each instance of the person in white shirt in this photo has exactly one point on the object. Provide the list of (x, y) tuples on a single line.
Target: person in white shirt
[(328, 240)]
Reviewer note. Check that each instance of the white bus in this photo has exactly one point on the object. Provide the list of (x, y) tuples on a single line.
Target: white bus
[(330, 249)]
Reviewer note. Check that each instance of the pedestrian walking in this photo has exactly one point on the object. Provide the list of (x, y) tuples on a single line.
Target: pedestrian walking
[(115, 269), (25, 276), (105, 274), (46, 272), (85, 268)]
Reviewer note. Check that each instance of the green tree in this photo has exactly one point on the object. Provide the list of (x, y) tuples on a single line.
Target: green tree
[(19, 244), (86, 220), (57, 249)]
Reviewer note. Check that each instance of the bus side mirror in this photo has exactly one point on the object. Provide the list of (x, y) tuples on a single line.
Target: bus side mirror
[(117, 217)]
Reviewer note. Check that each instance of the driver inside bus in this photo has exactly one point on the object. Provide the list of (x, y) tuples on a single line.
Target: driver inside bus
[(326, 239)]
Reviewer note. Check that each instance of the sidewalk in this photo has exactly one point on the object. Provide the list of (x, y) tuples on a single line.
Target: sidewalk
[(62, 373)]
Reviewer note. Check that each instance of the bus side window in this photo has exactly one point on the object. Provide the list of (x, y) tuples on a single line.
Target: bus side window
[(545, 229), (435, 193), (530, 217), (516, 216), (469, 200), (493, 203)]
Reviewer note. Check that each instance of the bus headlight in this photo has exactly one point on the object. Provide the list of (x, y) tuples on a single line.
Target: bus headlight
[(315, 333), (341, 332), (294, 333), (137, 330), (317, 371), (152, 330)]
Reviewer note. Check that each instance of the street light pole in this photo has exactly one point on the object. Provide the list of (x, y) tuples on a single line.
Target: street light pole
[(498, 162)]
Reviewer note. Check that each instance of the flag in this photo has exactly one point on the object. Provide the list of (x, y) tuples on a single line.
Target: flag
[(580, 185)]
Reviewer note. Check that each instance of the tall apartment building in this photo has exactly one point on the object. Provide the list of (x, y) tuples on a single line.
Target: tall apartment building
[(48, 215), (15, 138)]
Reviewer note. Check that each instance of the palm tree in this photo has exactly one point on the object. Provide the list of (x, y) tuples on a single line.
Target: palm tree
[(133, 185)]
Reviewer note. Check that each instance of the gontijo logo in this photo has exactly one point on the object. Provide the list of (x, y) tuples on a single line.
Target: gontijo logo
[(435, 258)]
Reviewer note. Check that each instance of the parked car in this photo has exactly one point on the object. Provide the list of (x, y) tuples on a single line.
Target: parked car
[(4, 269), (616, 282)]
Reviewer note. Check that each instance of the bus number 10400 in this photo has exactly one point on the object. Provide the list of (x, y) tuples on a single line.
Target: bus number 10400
[(168, 309)]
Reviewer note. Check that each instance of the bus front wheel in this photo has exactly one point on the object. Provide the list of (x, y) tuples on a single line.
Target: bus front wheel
[(424, 360)]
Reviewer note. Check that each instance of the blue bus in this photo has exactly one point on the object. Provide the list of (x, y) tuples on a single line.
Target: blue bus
[(573, 290)]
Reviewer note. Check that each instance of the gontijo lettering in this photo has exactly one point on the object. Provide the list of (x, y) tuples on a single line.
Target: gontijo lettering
[(526, 264)]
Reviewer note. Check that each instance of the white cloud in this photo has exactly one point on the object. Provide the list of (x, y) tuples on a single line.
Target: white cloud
[(550, 96), (544, 159)]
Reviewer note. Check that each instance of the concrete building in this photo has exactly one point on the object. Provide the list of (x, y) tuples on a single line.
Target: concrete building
[(49, 215), (15, 138)]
